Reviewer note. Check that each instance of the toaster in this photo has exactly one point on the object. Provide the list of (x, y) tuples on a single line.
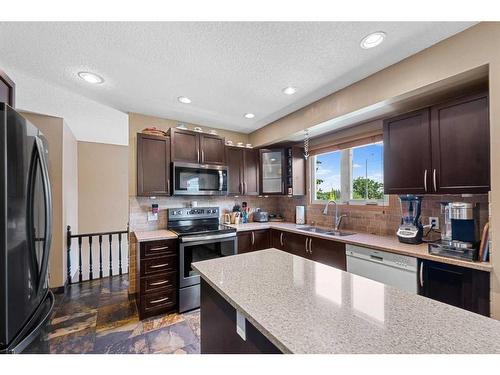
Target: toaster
[(260, 216)]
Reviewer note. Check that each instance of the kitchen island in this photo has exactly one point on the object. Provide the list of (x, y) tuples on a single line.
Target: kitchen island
[(290, 304)]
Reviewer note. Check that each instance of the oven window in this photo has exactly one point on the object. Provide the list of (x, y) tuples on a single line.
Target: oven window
[(193, 179), (197, 253)]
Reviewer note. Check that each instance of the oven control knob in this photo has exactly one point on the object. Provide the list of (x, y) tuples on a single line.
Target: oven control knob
[(209, 211)]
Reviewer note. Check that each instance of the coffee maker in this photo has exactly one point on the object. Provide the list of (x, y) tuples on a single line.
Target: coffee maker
[(460, 234), (410, 230)]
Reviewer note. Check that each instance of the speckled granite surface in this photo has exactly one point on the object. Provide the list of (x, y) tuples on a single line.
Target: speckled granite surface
[(154, 235), (306, 307), (384, 243)]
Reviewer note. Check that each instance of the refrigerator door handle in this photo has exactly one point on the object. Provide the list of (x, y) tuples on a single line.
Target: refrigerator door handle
[(48, 208)]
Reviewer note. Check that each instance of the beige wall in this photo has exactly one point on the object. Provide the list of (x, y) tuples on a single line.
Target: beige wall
[(61, 142), (463, 52), (137, 122), (102, 187)]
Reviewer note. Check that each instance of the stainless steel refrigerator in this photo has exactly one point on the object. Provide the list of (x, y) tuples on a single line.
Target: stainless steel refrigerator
[(25, 231)]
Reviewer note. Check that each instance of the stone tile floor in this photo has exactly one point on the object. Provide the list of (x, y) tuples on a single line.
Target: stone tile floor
[(98, 317)]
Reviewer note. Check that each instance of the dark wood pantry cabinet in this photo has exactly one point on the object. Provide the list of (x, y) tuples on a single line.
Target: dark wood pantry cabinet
[(193, 147), (153, 165), (243, 171), (462, 287), (443, 149)]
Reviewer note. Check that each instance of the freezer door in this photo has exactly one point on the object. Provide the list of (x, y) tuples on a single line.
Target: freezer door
[(28, 214)]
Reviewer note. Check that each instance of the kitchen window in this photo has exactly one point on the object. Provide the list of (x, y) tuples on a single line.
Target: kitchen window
[(352, 175)]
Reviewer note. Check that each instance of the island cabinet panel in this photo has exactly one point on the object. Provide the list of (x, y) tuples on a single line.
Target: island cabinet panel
[(193, 147), (153, 165), (218, 328), (462, 287), (157, 275), (328, 252), (407, 153), (253, 240), (461, 146)]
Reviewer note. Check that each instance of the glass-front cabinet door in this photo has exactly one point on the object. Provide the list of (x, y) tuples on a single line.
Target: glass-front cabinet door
[(272, 171)]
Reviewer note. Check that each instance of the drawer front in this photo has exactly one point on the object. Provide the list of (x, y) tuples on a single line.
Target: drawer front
[(158, 265), (152, 249), (156, 303), (158, 282)]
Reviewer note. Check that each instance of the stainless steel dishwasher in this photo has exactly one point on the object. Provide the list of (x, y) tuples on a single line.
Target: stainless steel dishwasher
[(396, 270)]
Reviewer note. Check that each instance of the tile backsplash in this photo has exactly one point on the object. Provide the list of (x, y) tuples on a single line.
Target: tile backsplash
[(379, 220)]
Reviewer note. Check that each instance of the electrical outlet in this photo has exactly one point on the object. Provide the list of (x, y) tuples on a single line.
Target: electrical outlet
[(433, 220)]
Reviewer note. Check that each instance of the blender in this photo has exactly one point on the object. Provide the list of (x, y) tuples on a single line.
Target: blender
[(410, 230)]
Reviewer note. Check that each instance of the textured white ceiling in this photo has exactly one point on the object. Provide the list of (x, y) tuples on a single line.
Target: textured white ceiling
[(227, 69)]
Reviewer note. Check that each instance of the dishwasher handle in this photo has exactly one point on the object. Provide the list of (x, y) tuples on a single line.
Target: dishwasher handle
[(376, 258)]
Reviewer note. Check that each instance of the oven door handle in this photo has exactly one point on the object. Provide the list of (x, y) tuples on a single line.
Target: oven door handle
[(207, 238)]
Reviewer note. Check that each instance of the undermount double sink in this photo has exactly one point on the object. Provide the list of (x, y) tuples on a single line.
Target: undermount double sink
[(326, 232)]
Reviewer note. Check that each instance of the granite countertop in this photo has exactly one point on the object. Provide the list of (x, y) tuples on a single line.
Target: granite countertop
[(383, 243), (303, 306), (154, 235)]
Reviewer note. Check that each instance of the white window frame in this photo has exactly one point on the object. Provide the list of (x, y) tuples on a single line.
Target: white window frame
[(345, 181)]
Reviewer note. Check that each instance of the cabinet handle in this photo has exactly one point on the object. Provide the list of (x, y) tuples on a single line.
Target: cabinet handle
[(310, 246), (159, 300), (425, 180), (245, 188), (307, 241), (168, 185), (159, 265), (159, 283), (281, 239), (253, 238), (421, 274), (434, 179), (202, 156), (158, 248), (198, 154), (240, 188), (283, 187)]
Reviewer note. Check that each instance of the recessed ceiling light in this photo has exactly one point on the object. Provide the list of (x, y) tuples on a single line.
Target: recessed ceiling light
[(249, 115), (91, 77), (184, 99), (372, 40), (289, 90)]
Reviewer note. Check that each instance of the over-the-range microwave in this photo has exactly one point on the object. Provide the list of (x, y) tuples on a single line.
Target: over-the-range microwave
[(199, 179)]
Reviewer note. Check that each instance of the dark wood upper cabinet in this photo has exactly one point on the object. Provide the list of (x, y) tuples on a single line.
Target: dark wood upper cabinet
[(444, 149), (234, 170), (153, 165), (462, 287), (185, 145), (192, 147), (461, 146), (407, 153), (212, 149), (7, 89), (243, 171), (251, 172)]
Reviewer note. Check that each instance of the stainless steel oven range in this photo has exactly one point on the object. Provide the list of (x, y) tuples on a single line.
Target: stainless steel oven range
[(201, 237)]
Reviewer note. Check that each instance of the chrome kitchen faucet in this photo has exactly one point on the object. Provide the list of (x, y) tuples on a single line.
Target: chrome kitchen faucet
[(338, 219)]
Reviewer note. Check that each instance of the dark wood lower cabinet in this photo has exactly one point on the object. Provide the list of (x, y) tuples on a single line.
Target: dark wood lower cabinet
[(253, 240), (218, 328), (157, 274), (329, 252), (462, 287)]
